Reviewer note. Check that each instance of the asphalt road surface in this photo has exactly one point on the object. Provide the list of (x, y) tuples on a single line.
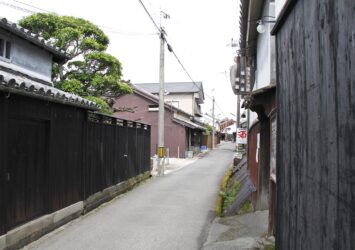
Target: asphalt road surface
[(169, 212)]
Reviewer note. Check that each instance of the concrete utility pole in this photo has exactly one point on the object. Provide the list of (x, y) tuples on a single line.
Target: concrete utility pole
[(161, 153), (213, 123), (237, 122)]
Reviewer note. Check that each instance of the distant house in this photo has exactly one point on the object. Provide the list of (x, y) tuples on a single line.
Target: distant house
[(182, 132), (187, 96)]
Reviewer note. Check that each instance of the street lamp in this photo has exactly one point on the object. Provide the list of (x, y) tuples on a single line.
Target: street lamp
[(261, 28)]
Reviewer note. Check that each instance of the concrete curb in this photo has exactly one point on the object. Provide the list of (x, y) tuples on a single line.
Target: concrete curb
[(109, 193), (33, 230), (36, 228)]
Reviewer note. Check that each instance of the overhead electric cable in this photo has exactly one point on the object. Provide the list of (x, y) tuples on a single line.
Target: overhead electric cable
[(220, 109), (108, 29), (17, 7), (150, 16), (32, 6)]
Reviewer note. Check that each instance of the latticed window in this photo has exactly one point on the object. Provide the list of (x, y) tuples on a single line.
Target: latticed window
[(5, 48)]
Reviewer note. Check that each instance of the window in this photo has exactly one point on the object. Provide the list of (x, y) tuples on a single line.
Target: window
[(5, 48), (153, 107)]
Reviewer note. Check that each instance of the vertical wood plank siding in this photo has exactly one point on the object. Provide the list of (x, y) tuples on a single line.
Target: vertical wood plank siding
[(253, 164), (316, 126), (3, 127), (69, 156)]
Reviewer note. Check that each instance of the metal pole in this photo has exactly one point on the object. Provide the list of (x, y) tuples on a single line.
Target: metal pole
[(213, 123), (161, 107)]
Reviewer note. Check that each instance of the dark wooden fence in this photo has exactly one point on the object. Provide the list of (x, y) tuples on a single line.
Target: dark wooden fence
[(52, 156), (316, 126), (116, 150)]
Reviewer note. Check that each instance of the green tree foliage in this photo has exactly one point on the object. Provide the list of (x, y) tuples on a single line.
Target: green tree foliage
[(104, 107), (208, 129), (91, 72), (75, 35)]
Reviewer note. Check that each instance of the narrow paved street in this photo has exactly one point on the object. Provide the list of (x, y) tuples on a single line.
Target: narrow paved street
[(170, 212)]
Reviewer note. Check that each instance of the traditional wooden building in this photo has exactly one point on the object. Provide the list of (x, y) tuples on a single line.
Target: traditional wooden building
[(181, 132), (315, 43), (254, 77)]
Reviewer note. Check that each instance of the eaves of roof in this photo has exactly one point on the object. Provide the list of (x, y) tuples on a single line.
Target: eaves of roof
[(249, 100), (58, 55), (263, 90), (243, 22), (250, 12), (175, 87), (188, 124), (12, 83)]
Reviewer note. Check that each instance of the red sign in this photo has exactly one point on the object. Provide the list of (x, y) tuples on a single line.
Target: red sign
[(241, 136)]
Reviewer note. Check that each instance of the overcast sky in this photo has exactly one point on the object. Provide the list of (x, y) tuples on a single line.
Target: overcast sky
[(199, 31)]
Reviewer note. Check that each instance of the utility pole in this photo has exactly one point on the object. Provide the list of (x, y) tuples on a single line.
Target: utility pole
[(237, 122), (213, 123), (161, 153), (161, 148)]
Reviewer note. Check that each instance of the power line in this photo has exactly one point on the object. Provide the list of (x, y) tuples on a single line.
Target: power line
[(188, 74), (32, 6), (117, 31), (170, 47), (150, 16), (125, 32), (122, 32), (152, 8), (220, 109), (183, 67), (17, 7), (108, 29)]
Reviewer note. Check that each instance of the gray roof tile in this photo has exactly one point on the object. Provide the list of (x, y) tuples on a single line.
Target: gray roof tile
[(20, 85), (174, 87)]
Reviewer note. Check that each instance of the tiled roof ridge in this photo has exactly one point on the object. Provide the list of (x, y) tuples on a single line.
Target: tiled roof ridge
[(21, 74), (21, 85), (167, 82), (191, 87)]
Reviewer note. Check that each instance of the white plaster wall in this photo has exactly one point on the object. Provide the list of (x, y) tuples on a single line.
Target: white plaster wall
[(186, 101), (253, 117), (265, 66), (262, 73), (32, 58), (27, 58), (279, 4), (265, 73)]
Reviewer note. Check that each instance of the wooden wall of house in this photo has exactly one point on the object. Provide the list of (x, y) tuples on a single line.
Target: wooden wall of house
[(56, 156), (316, 126), (253, 163), (3, 110)]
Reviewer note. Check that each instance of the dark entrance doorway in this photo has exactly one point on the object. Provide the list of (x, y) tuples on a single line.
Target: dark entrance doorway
[(26, 170)]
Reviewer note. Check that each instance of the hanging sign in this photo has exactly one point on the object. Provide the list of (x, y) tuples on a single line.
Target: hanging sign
[(241, 136)]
